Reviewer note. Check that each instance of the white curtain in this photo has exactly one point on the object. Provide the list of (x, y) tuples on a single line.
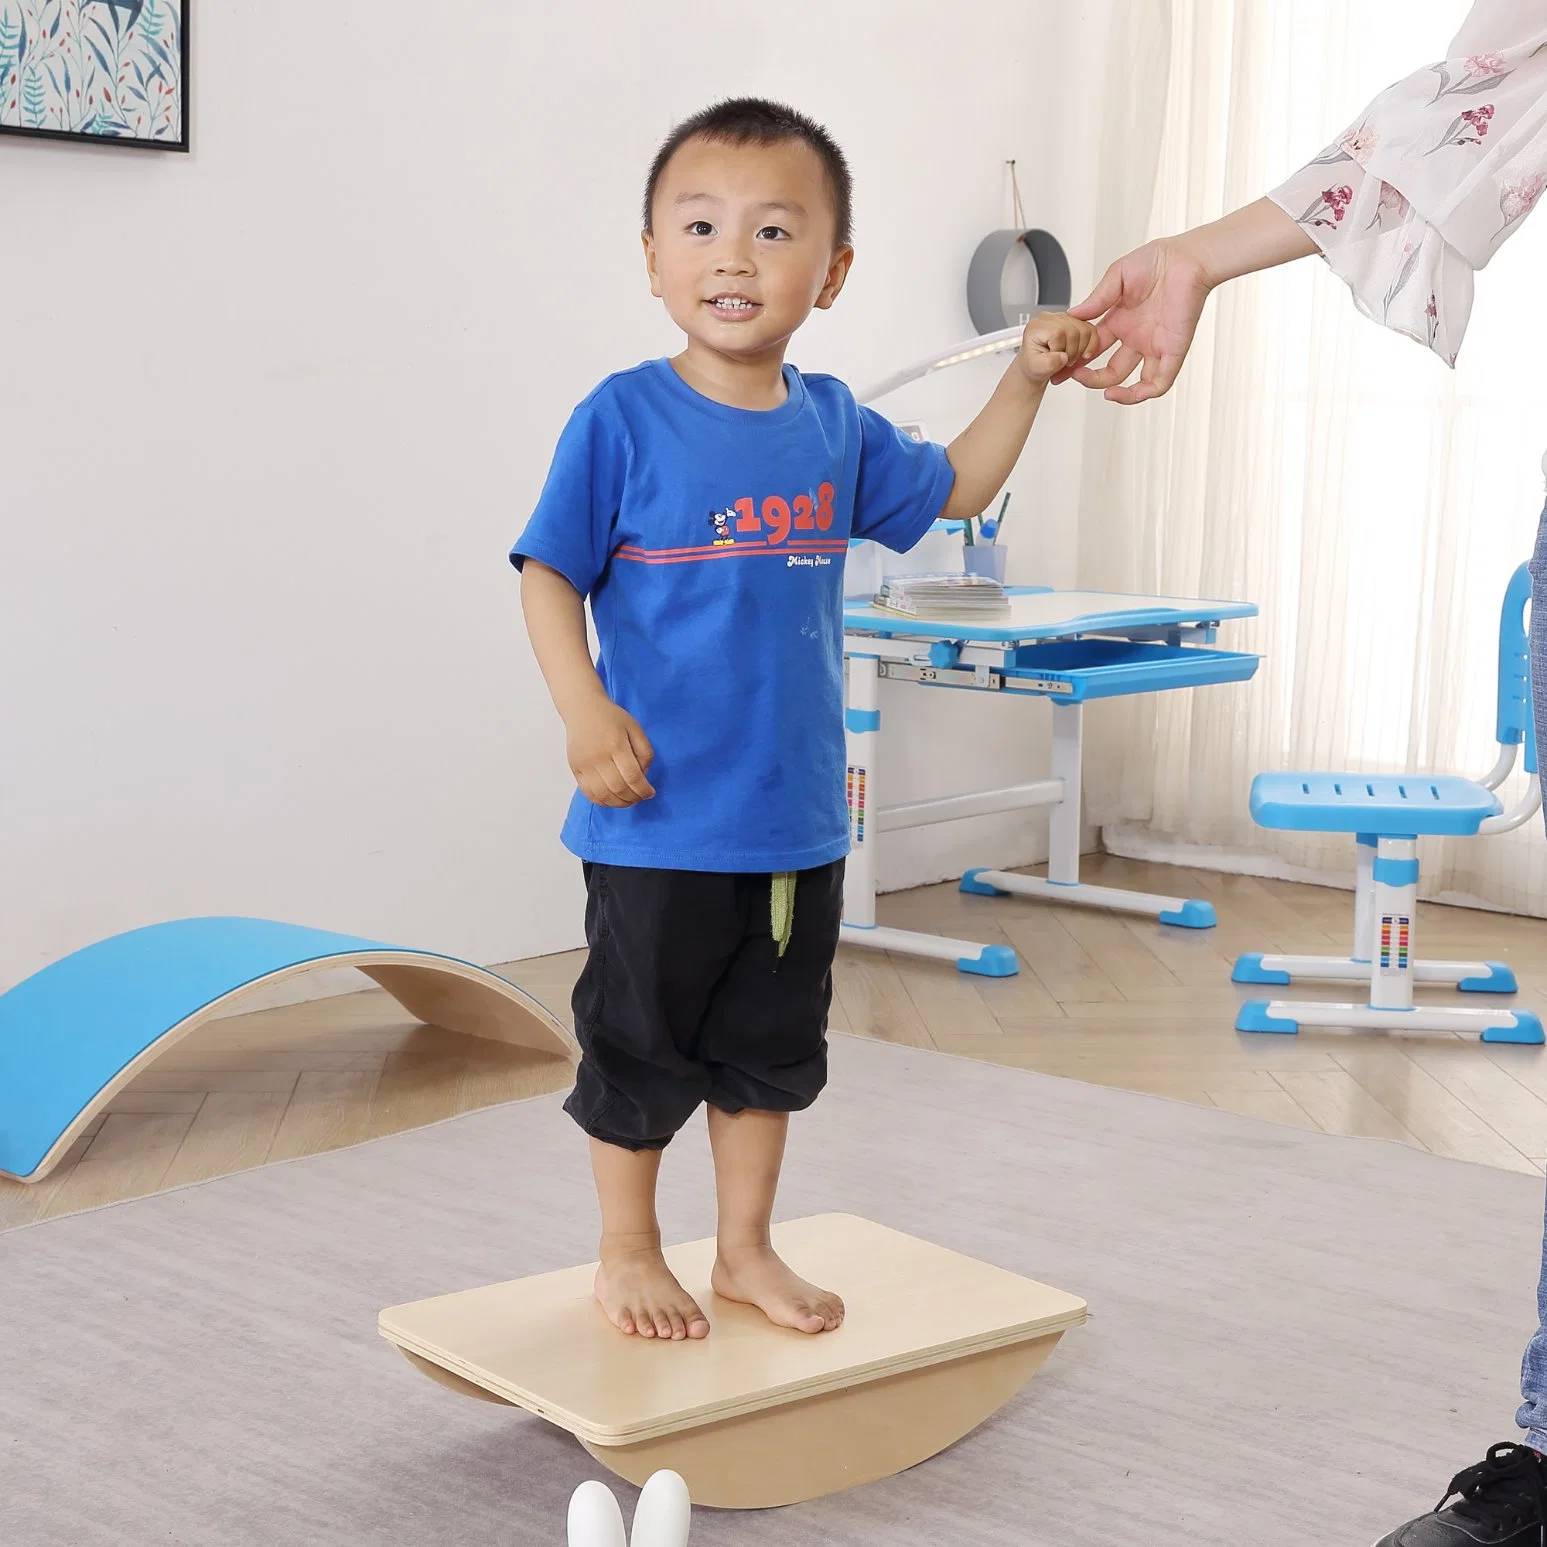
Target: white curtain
[(1372, 503)]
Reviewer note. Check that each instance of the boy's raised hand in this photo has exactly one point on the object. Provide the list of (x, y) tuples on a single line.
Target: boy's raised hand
[(609, 755), (983, 456), (1053, 343)]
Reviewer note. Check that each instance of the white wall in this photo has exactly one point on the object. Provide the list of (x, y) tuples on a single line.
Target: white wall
[(270, 416)]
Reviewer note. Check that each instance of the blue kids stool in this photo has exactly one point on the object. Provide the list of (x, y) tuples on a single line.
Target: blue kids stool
[(1388, 814)]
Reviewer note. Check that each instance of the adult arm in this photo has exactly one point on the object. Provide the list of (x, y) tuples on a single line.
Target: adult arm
[(1436, 174)]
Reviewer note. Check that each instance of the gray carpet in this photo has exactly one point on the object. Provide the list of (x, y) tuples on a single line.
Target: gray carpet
[(1295, 1339)]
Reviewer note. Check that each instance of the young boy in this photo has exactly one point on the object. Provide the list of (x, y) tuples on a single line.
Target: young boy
[(704, 505)]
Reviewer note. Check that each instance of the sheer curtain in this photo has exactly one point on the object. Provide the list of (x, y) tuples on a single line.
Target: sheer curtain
[(1371, 502)]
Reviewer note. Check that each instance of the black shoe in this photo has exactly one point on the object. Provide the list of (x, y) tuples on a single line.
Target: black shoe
[(1502, 1503)]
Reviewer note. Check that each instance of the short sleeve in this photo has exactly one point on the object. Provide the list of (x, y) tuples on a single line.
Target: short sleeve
[(903, 484), (1438, 173), (571, 530)]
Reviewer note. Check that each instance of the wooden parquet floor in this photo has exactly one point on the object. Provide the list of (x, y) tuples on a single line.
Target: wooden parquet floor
[(1109, 1000)]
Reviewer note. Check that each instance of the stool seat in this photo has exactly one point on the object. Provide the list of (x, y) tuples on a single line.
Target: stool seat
[(1380, 805)]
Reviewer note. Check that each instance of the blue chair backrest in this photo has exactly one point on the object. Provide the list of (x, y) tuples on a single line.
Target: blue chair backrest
[(1516, 722)]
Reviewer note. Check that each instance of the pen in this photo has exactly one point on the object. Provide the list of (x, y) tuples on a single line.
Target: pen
[(1004, 505)]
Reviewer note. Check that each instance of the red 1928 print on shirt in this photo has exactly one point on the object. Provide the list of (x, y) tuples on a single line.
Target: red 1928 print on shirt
[(797, 528), (780, 519)]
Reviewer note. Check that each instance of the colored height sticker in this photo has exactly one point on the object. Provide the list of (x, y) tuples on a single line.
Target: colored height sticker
[(1394, 931), (857, 802)]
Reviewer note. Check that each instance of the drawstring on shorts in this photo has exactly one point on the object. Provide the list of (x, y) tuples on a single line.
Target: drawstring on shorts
[(782, 909)]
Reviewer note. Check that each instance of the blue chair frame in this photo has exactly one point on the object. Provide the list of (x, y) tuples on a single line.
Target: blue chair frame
[(1387, 815)]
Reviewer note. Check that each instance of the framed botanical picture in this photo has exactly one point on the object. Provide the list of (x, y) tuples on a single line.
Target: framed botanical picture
[(113, 71)]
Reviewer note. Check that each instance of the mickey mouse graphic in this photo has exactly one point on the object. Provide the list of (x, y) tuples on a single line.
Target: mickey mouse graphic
[(720, 520)]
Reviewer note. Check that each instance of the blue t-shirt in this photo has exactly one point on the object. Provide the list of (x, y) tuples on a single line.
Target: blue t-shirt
[(710, 541)]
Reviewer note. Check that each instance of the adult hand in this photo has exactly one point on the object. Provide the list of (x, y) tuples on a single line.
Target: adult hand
[(1148, 304)]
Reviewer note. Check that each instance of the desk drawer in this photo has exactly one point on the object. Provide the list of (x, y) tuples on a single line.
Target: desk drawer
[(1074, 670)]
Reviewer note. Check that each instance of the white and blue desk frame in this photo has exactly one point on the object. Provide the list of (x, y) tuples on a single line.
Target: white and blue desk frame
[(1068, 647)]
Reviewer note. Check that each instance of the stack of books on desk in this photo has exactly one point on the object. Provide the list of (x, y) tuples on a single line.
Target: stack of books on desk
[(950, 596)]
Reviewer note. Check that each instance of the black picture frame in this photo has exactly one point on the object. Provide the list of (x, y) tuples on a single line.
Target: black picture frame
[(22, 90)]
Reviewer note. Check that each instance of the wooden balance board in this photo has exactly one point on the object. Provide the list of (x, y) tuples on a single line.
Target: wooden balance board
[(74, 1034), (755, 1416)]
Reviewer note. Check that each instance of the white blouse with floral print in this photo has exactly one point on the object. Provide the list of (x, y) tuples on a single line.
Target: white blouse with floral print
[(1434, 177)]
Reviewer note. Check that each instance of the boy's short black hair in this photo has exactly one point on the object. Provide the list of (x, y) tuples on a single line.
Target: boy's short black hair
[(756, 121)]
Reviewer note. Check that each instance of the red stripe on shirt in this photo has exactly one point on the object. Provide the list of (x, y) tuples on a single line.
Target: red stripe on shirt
[(725, 551)]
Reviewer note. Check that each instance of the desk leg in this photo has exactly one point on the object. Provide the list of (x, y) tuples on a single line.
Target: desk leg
[(1063, 884), (1066, 761), (862, 735)]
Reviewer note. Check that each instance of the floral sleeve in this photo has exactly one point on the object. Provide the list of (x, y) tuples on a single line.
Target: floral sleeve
[(1442, 167)]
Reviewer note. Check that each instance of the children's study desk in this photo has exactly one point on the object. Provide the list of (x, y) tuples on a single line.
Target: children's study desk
[(1065, 646)]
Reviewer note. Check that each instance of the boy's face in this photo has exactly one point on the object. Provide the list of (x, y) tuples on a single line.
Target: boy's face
[(743, 244)]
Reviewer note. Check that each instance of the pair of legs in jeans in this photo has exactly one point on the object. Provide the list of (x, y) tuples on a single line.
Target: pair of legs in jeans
[(1532, 1416), (1501, 1501)]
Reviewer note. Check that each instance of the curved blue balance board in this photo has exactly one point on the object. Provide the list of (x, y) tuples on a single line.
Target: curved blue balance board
[(73, 1035)]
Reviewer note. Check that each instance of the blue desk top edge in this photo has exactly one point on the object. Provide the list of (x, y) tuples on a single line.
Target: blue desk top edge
[(865, 619)]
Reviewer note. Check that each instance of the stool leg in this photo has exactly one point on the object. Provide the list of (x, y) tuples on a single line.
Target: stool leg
[(1395, 901), (1471, 977), (1262, 967), (1392, 891), (1364, 899)]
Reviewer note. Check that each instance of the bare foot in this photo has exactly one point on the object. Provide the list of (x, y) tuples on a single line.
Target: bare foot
[(640, 1294), (756, 1275)]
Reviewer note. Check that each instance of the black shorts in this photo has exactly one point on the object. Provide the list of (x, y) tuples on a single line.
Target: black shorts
[(685, 999)]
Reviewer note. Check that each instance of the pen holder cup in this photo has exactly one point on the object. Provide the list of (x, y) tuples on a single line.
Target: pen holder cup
[(985, 559)]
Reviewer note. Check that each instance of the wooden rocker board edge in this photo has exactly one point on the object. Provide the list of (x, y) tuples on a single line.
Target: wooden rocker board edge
[(438, 990), (440, 1364), (821, 1443), (835, 1441)]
